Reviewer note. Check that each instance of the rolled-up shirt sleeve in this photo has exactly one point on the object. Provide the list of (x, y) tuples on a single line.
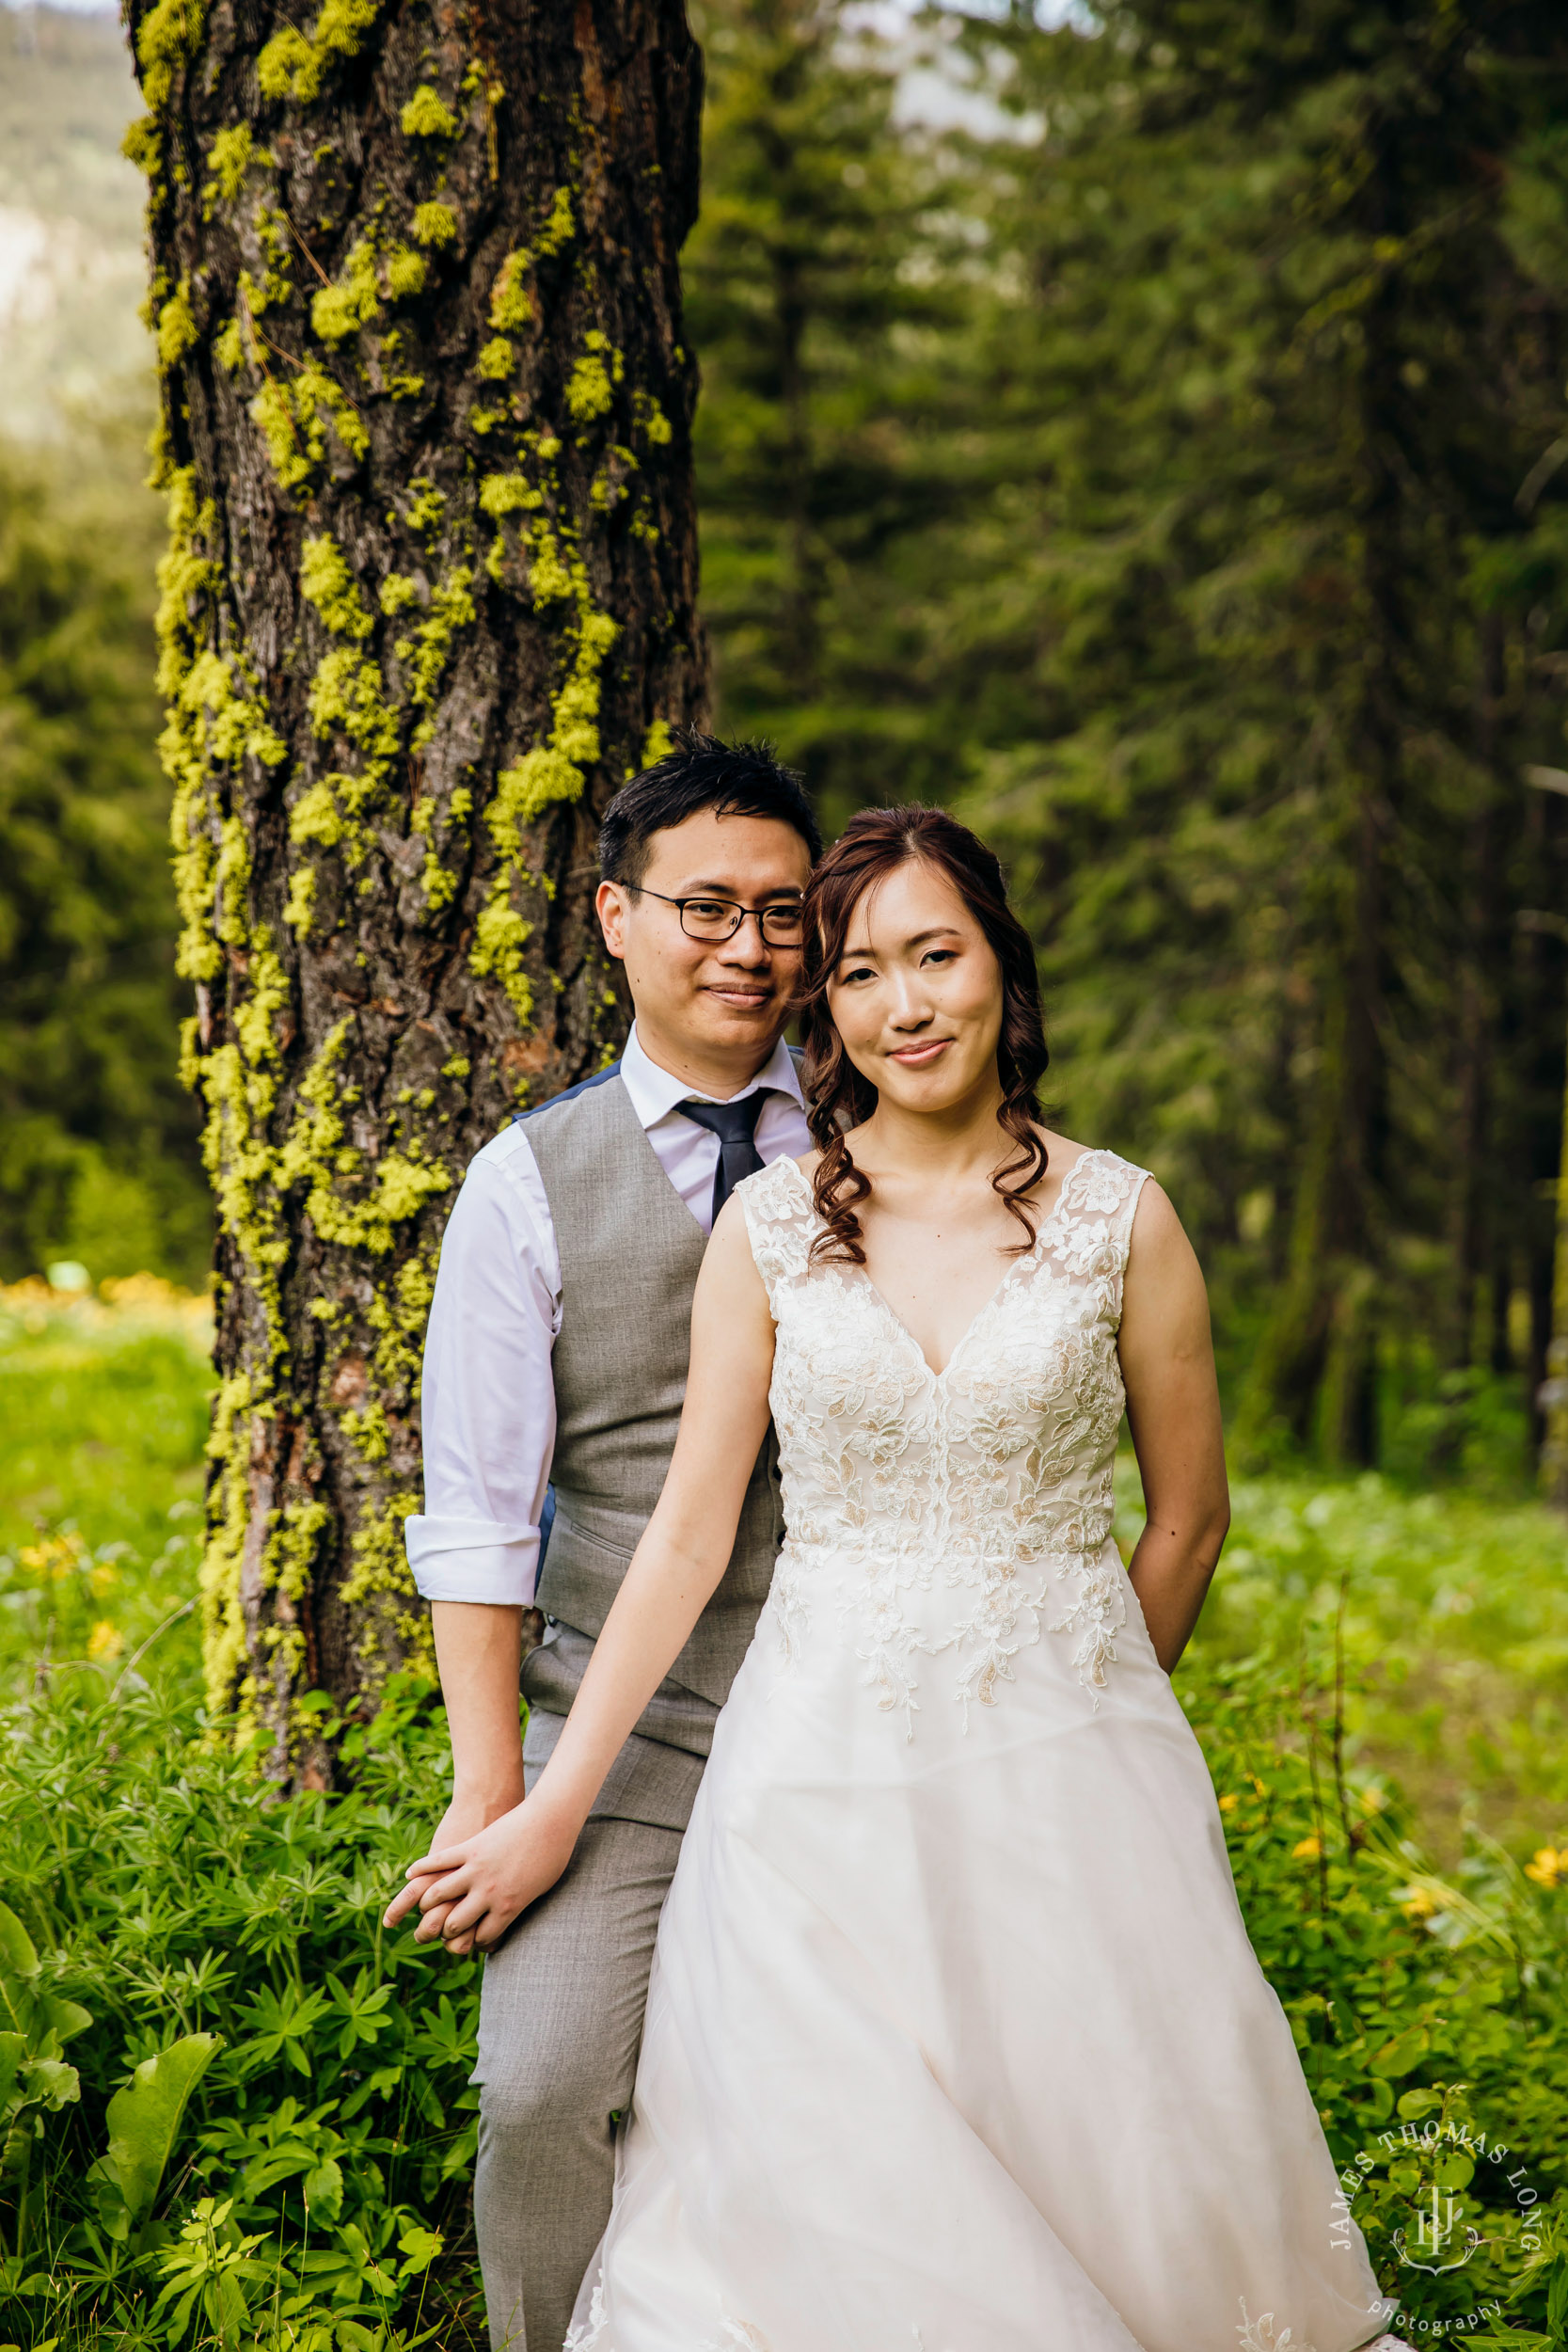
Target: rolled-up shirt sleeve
[(488, 1393)]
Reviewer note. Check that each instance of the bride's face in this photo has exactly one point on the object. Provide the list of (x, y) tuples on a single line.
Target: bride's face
[(917, 994)]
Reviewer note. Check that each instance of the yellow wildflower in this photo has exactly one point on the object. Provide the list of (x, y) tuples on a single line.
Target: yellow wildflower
[(1550, 1867), (106, 1642), (1229, 1802), (1417, 1902), (1309, 1850), (57, 1556)]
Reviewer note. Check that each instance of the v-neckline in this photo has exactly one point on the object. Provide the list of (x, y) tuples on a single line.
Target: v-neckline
[(981, 1312)]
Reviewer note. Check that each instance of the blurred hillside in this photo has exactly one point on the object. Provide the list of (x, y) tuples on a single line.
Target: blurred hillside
[(98, 1144), (70, 243)]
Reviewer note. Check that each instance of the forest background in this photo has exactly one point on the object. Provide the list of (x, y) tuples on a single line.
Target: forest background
[(1147, 433), (1151, 443)]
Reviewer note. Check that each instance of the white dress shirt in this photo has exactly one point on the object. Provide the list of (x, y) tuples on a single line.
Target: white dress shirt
[(488, 1396)]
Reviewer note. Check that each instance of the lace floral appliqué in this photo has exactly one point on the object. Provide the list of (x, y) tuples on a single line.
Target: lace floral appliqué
[(958, 1514), (1260, 2335)]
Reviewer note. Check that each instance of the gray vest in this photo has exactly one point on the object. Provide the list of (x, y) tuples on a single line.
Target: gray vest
[(630, 1249)]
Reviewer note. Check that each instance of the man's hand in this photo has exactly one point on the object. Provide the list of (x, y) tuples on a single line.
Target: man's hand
[(469, 1892), (463, 1819)]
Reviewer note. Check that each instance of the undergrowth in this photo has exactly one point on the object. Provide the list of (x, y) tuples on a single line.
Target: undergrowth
[(236, 2116)]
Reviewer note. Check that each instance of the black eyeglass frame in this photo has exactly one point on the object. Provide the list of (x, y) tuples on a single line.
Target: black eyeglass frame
[(716, 939)]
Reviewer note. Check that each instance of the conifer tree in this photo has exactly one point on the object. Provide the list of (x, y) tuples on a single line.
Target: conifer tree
[(822, 306), (428, 599), (1249, 706)]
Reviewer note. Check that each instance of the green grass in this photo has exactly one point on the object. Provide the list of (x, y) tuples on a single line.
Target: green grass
[(1453, 1637), (102, 1421), (1454, 1630)]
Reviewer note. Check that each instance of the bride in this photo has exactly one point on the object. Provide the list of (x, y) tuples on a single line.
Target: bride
[(955, 2041)]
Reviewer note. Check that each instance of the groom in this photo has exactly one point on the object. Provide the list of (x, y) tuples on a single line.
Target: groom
[(555, 1364)]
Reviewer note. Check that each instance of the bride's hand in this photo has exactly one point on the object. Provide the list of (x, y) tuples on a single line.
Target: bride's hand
[(470, 1893)]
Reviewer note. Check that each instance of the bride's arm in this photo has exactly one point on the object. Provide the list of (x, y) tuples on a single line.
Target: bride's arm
[(1173, 1406), (490, 1878)]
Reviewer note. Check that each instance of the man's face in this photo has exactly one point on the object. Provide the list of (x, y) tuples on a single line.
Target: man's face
[(727, 998)]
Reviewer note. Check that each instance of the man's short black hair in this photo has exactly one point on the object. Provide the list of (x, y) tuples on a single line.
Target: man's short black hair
[(733, 779)]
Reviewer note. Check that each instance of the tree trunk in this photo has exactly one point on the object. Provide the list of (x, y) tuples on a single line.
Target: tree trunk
[(1480, 954), (429, 599), (1315, 1371), (1315, 1367)]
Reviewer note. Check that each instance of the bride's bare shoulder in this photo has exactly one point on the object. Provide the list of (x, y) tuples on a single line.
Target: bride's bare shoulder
[(1061, 1151)]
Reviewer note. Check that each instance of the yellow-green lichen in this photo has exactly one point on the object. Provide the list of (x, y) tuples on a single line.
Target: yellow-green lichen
[(511, 304), (497, 360), (316, 817), (426, 117), (407, 273), (397, 593), (651, 418), (229, 347), (325, 581), (552, 771), (452, 608), (169, 36), (299, 906), (296, 419), (366, 1431), (294, 64), (589, 387), (508, 494), (559, 227), (228, 160), (427, 505), (143, 146), (378, 1573), (177, 329), (500, 936), (434, 224), (340, 310)]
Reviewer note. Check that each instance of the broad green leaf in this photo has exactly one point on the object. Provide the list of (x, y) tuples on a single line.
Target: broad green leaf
[(17, 1956), (13, 2055), (1406, 2050), (52, 2081), (1379, 2103), (324, 2189), (144, 2117), (418, 2249), (66, 2017)]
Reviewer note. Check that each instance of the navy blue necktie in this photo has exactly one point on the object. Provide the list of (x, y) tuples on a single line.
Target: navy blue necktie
[(734, 1124)]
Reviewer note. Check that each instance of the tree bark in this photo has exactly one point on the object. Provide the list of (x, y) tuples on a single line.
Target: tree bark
[(1315, 1371), (429, 599), (1480, 957)]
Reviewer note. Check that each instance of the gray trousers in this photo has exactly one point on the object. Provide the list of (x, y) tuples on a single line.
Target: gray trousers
[(560, 2026)]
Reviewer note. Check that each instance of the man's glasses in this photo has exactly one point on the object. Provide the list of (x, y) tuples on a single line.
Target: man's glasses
[(720, 918)]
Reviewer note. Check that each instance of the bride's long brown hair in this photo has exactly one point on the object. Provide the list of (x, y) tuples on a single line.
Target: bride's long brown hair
[(871, 847)]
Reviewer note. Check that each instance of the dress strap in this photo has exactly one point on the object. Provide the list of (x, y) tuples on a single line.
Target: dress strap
[(779, 1215)]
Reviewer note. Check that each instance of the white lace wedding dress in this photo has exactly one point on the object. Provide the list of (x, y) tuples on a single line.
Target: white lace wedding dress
[(955, 2041)]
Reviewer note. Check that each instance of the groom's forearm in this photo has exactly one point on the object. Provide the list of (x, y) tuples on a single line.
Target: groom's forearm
[(479, 1654)]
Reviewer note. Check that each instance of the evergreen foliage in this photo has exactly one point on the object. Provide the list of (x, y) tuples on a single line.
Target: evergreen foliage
[(1166, 461), (1233, 619), (98, 1157)]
